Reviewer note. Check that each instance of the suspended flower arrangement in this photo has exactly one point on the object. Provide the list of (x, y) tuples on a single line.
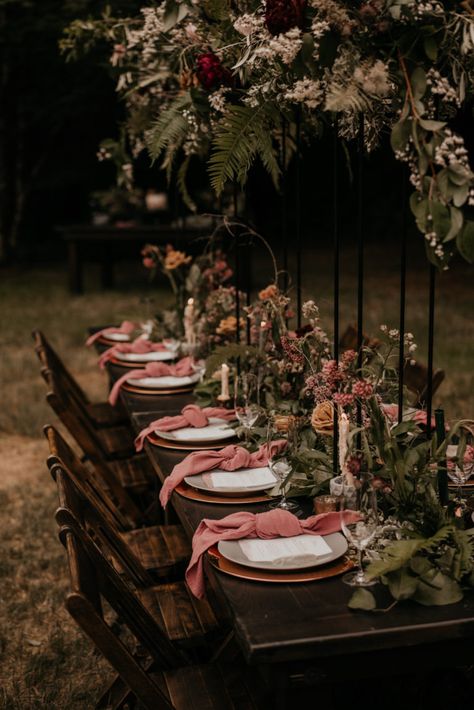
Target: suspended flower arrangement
[(215, 80)]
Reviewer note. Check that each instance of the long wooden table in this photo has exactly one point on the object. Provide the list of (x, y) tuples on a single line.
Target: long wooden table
[(305, 633)]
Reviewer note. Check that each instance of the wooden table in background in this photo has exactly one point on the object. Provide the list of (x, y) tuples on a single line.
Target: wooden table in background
[(107, 243)]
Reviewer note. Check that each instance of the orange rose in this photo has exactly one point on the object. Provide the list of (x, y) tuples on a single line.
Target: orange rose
[(268, 293), (175, 258), (228, 326), (322, 418)]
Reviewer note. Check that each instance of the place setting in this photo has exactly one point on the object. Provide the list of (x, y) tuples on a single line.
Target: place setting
[(194, 428), (272, 547)]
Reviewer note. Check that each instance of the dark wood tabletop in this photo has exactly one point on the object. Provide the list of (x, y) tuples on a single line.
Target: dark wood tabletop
[(310, 623)]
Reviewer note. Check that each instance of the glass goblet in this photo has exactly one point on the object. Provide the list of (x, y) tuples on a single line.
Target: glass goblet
[(359, 497), (247, 409), (281, 467)]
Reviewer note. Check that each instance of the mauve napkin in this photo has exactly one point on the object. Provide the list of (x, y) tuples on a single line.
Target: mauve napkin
[(183, 368), (230, 458), (140, 346), (420, 416), (191, 415), (126, 328), (272, 524)]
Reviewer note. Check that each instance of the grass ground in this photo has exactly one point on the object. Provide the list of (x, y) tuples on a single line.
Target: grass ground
[(44, 661)]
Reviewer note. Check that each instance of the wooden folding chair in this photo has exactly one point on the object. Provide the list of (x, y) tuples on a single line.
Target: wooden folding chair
[(415, 378), (110, 446), (161, 680), (101, 480), (349, 340), (101, 414), (144, 554)]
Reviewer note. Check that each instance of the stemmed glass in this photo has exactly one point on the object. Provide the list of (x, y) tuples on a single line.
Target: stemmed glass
[(458, 475), (148, 324), (281, 467), (246, 401), (361, 498)]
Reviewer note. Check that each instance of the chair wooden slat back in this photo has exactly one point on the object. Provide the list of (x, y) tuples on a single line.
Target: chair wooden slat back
[(50, 359), (97, 517), (415, 377), (74, 418), (114, 501), (109, 583), (81, 607)]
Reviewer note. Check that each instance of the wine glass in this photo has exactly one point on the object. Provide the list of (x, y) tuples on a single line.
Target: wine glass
[(458, 475), (246, 401), (281, 467), (359, 497)]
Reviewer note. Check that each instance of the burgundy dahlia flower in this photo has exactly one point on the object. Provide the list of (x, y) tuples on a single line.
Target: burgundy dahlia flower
[(283, 15), (211, 73)]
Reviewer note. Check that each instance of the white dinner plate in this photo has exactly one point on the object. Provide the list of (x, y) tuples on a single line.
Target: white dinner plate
[(154, 356), (118, 337), (202, 481), (232, 550), (216, 430), (164, 382)]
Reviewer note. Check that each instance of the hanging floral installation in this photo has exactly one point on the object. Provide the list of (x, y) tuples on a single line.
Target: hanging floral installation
[(216, 80)]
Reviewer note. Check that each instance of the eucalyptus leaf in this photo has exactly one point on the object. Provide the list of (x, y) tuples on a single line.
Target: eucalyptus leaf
[(418, 82), (430, 125), (441, 590), (401, 583), (362, 599), (465, 242), (431, 48)]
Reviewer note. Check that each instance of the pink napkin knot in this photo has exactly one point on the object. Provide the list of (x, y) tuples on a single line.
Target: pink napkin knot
[(140, 346), (183, 368), (191, 416), (126, 328), (230, 458), (272, 524)]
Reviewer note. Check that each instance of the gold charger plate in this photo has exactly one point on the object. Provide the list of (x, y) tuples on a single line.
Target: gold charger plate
[(130, 364), (186, 491), (156, 392), (183, 446), (333, 569)]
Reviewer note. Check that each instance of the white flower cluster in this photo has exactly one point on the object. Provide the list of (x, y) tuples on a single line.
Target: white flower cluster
[(373, 78), (191, 144), (441, 87), (394, 335), (255, 93), (310, 311), (452, 151), (421, 8), (318, 29), (307, 91), (217, 99), (286, 46), (247, 25)]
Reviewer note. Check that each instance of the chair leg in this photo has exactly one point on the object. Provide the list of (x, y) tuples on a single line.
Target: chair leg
[(117, 696)]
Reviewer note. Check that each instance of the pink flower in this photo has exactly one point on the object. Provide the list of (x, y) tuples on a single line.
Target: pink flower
[(469, 454), (148, 262), (362, 389), (343, 399)]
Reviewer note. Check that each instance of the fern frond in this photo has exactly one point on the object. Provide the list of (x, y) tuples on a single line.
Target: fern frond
[(243, 134), (170, 130)]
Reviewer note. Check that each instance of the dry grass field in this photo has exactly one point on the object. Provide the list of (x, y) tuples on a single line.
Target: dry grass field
[(44, 661)]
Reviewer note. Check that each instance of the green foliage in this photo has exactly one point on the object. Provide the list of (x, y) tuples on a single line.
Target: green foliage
[(243, 134), (170, 130)]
